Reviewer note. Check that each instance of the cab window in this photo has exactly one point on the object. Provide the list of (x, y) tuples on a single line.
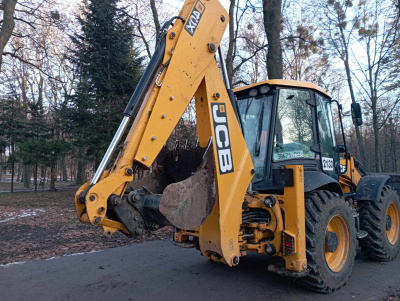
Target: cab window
[(329, 155), (255, 114), (294, 126)]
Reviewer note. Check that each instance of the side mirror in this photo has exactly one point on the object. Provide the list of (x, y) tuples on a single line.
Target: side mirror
[(356, 114), (341, 148)]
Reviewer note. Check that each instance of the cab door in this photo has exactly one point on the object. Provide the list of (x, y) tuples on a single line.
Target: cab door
[(326, 135)]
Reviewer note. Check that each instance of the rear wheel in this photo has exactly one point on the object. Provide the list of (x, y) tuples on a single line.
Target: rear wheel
[(330, 241), (381, 220)]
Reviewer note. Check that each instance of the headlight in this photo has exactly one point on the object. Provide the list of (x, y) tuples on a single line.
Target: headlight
[(253, 92), (264, 89)]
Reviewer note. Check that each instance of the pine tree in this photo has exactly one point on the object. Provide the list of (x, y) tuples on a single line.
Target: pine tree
[(109, 69)]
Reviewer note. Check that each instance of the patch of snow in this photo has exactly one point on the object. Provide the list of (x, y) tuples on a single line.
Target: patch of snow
[(7, 265), (21, 214), (51, 258), (82, 253), (73, 254)]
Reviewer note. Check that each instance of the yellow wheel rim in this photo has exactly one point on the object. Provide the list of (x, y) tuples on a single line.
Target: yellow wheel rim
[(392, 227), (337, 259)]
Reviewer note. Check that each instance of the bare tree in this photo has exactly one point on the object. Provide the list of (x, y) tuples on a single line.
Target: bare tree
[(377, 74), (246, 46), (339, 30)]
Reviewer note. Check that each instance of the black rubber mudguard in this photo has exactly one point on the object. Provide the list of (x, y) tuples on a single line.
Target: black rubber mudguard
[(370, 187), (315, 180)]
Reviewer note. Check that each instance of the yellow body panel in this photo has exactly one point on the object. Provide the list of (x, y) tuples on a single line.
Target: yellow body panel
[(350, 179), (294, 208)]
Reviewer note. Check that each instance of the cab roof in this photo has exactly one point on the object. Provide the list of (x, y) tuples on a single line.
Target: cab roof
[(285, 83)]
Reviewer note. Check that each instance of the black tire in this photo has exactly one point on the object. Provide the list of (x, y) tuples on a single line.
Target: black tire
[(373, 220), (321, 208)]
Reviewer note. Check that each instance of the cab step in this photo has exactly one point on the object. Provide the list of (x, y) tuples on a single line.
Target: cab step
[(361, 234), (279, 269)]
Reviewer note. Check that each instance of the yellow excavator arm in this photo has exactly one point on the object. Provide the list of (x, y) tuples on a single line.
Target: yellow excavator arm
[(184, 65)]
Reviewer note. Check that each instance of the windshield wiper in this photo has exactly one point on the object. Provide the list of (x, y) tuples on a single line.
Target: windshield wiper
[(260, 125)]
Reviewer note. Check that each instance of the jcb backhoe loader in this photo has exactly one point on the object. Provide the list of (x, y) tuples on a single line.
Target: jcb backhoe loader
[(271, 178)]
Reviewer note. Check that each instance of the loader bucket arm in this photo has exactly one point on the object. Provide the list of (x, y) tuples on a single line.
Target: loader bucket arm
[(188, 68)]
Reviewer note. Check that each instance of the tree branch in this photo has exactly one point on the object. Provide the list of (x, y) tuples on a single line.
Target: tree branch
[(14, 55)]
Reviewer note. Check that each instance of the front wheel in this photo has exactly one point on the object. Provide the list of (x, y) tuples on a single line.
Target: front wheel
[(330, 241)]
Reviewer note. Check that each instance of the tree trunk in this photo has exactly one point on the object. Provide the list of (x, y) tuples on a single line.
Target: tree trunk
[(1, 166), (43, 173), (64, 171), (394, 143), (26, 176), (8, 7), (155, 16), (12, 166), (53, 178), (272, 24), (35, 177), (19, 172), (72, 172), (81, 168), (353, 98), (231, 45), (376, 135), (12, 177)]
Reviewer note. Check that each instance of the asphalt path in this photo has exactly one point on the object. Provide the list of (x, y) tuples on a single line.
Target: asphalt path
[(159, 271)]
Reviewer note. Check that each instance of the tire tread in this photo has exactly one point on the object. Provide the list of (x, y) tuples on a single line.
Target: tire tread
[(315, 203), (374, 245)]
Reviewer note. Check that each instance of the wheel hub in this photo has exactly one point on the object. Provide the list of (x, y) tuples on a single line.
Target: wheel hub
[(388, 223), (392, 224), (331, 241), (337, 243)]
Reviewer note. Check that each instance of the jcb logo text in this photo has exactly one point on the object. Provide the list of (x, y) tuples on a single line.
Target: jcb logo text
[(222, 139)]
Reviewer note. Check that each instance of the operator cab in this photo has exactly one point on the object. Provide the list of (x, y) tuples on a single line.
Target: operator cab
[(289, 123)]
